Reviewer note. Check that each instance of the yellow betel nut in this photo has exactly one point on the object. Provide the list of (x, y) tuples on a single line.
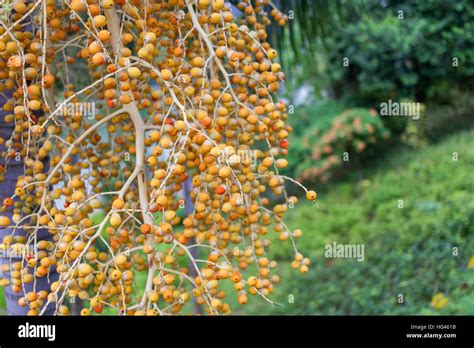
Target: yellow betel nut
[(115, 220), (311, 195), (4, 221)]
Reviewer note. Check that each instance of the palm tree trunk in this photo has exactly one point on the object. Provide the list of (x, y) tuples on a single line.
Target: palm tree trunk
[(7, 188)]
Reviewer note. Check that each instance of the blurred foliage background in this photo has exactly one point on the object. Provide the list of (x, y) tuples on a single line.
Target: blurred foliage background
[(343, 59)]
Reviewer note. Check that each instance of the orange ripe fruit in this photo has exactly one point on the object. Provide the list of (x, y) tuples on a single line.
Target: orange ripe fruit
[(8, 202), (217, 5), (100, 21), (34, 105), (41, 271), (19, 7), (145, 228), (166, 227), (284, 143), (98, 59), (242, 299), (127, 38), (152, 161), (134, 72), (111, 68), (77, 5), (166, 74), (85, 312), (110, 103), (118, 203), (223, 273), (77, 196), (168, 278), (221, 52), (115, 275), (31, 296), (272, 54), (168, 295), (162, 201), (204, 4), (94, 47), (4, 221), (224, 172), (84, 269), (178, 51), (19, 191), (281, 163), (125, 99), (104, 35), (252, 281), (220, 190), (14, 62), (236, 277), (311, 195), (206, 122), (107, 4), (216, 303), (115, 220), (120, 260)]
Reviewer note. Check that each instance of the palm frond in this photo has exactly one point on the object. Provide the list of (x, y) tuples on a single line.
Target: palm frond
[(310, 22)]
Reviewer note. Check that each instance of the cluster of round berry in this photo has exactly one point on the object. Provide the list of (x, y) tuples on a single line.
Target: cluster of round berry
[(183, 155)]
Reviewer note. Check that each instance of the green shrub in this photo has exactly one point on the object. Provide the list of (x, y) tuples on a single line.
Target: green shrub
[(446, 119), (370, 60), (408, 251), (318, 115), (346, 139), (417, 49)]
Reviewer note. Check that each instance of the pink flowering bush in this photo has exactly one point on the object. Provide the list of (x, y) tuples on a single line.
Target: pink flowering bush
[(351, 137)]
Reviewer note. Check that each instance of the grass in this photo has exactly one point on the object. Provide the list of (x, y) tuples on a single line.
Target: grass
[(2, 302), (410, 251)]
